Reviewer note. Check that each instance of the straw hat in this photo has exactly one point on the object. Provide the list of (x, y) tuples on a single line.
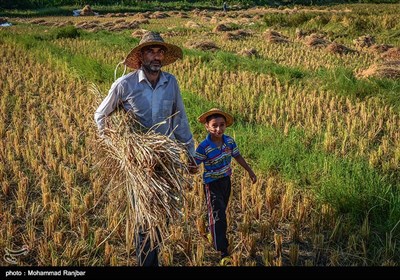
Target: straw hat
[(228, 117), (152, 38)]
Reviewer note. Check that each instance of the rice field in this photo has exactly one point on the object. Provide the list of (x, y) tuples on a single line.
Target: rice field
[(315, 94)]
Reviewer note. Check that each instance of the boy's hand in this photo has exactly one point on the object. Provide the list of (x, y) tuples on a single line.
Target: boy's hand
[(253, 177)]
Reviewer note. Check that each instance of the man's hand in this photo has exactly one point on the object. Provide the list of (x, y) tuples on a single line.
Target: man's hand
[(192, 166)]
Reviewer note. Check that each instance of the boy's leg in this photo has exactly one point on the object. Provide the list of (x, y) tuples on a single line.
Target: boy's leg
[(217, 197)]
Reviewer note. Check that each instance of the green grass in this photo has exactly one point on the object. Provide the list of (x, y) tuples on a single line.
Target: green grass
[(342, 82), (350, 186)]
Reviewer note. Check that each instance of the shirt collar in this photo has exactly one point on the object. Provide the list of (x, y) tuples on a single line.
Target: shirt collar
[(212, 144), (142, 77)]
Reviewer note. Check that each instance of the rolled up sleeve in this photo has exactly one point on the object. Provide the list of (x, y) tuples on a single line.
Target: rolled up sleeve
[(181, 126), (107, 106)]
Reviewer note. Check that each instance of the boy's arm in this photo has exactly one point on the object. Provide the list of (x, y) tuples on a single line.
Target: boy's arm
[(244, 164)]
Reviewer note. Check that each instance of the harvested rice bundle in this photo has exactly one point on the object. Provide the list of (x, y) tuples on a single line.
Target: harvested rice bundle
[(365, 41), (338, 48), (387, 69), (203, 45), (249, 52), (316, 41), (152, 168), (275, 37), (392, 54), (87, 11)]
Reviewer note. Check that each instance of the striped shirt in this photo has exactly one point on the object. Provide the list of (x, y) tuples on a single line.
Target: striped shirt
[(217, 160)]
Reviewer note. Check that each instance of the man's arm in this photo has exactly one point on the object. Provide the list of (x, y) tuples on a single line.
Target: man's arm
[(107, 106), (182, 133), (180, 124)]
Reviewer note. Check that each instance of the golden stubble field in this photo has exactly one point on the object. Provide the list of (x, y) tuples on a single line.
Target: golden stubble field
[(55, 200)]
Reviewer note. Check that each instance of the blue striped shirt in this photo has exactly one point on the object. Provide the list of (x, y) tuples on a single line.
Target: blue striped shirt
[(217, 160)]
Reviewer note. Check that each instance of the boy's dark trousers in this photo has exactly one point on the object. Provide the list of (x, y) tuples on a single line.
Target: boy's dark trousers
[(145, 256), (217, 197)]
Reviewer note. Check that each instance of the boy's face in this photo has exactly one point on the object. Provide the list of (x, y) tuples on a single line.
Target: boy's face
[(216, 127)]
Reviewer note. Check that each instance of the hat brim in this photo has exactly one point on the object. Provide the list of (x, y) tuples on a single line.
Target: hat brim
[(172, 54), (228, 117)]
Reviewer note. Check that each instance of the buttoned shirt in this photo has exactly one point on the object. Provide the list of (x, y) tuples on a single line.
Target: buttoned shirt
[(151, 106), (217, 160)]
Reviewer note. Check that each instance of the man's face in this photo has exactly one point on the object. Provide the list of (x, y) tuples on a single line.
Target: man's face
[(152, 57)]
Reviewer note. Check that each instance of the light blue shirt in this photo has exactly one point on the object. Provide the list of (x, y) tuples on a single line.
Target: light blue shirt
[(150, 105)]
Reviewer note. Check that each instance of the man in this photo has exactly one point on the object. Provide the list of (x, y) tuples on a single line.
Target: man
[(153, 96)]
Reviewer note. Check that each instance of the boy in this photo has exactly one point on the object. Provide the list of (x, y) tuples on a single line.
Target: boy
[(216, 152)]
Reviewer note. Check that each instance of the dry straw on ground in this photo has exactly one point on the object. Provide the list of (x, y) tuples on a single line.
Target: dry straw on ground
[(152, 169), (275, 37), (338, 48), (316, 41), (249, 52), (203, 45), (87, 11), (387, 69), (365, 41), (392, 54)]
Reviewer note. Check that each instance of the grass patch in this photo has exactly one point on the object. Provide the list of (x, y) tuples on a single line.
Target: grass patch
[(342, 81), (350, 186), (225, 61)]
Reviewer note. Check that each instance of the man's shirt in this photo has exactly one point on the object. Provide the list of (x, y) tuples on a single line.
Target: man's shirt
[(151, 106)]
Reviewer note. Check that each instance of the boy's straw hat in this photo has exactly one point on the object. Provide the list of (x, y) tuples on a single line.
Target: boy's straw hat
[(228, 117), (172, 53)]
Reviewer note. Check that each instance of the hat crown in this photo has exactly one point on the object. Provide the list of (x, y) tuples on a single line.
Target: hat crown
[(151, 37)]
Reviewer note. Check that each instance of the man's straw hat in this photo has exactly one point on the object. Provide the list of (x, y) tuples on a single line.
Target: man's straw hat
[(228, 117), (152, 38)]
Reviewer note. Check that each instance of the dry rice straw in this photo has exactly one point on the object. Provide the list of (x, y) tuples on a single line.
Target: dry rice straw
[(152, 168)]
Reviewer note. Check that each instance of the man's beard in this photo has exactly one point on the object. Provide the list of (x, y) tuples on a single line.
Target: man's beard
[(152, 68)]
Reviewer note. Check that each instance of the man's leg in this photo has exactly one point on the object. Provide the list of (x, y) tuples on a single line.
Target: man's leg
[(145, 256)]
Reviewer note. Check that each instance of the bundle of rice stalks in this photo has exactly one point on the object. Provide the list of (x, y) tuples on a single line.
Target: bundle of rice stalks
[(221, 27), (152, 168), (380, 48), (275, 37), (159, 14), (203, 45), (139, 33), (338, 48), (365, 41), (237, 35), (87, 11), (300, 34), (249, 52), (388, 69), (393, 54), (182, 15), (192, 24), (316, 41)]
